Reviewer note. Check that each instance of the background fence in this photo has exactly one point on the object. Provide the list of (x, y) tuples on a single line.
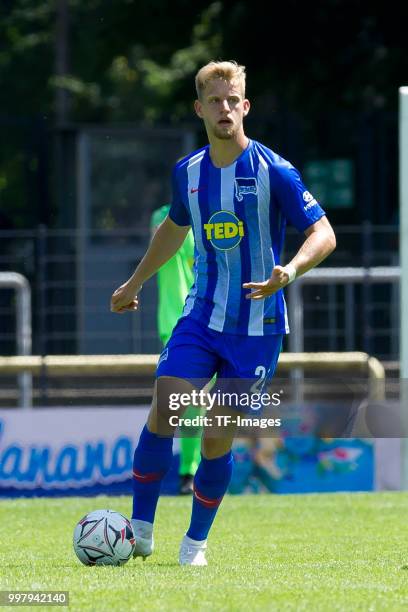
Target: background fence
[(337, 318)]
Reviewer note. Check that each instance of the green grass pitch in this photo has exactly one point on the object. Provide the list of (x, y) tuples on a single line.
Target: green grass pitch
[(304, 552)]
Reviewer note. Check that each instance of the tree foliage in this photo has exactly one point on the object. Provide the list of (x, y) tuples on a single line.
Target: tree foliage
[(134, 60)]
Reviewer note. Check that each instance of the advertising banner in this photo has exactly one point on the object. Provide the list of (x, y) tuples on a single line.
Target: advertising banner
[(89, 451), (303, 465), (68, 451)]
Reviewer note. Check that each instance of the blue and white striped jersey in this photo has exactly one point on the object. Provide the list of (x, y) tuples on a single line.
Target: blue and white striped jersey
[(238, 215)]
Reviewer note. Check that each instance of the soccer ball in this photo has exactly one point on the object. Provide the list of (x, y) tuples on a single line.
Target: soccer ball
[(104, 537)]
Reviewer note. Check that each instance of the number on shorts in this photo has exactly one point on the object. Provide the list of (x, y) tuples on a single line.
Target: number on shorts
[(257, 386)]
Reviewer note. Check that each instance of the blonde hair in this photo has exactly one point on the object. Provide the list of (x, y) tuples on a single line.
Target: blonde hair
[(227, 71)]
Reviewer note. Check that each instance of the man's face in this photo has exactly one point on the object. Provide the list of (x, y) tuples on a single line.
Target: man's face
[(222, 108)]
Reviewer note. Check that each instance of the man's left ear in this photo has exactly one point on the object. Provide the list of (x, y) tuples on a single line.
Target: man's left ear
[(247, 106)]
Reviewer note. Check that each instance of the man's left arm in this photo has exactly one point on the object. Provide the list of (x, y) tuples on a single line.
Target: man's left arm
[(320, 242)]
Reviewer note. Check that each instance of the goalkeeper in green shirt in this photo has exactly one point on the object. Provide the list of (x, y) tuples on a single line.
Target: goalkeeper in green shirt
[(174, 281)]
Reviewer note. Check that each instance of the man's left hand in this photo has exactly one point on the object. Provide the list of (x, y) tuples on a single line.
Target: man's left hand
[(279, 279)]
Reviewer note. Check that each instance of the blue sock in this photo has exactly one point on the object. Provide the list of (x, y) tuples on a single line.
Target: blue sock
[(152, 461), (210, 484)]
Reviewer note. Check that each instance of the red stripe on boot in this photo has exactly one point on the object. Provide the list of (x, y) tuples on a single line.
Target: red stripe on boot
[(206, 501)]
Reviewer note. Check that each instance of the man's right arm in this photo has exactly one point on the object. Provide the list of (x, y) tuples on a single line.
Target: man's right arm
[(165, 243)]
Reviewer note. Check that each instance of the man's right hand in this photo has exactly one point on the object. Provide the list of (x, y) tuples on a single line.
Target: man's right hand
[(124, 298), (165, 243)]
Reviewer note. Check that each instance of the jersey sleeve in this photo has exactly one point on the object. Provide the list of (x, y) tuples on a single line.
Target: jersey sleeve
[(298, 205), (178, 213)]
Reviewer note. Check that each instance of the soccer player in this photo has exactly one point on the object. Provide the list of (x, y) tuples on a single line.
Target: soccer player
[(175, 278), (237, 196)]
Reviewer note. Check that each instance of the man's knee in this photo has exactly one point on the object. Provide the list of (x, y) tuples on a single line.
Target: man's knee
[(166, 390), (212, 448)]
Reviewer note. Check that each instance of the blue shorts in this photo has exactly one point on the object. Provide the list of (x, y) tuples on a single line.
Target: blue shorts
[(195, 351)]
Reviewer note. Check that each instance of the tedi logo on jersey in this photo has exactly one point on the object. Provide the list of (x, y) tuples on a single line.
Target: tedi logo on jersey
[(245, 186), (224, 230)]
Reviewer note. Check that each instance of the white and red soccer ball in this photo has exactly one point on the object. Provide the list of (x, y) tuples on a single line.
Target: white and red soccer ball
[(104, 537)]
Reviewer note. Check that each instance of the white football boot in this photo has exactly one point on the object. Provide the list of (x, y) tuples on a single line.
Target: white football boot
[(192, 552), (144, 543)]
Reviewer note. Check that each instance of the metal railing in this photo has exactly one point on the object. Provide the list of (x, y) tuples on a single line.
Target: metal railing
[(142, 365), (331, 276), (23, 329)]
